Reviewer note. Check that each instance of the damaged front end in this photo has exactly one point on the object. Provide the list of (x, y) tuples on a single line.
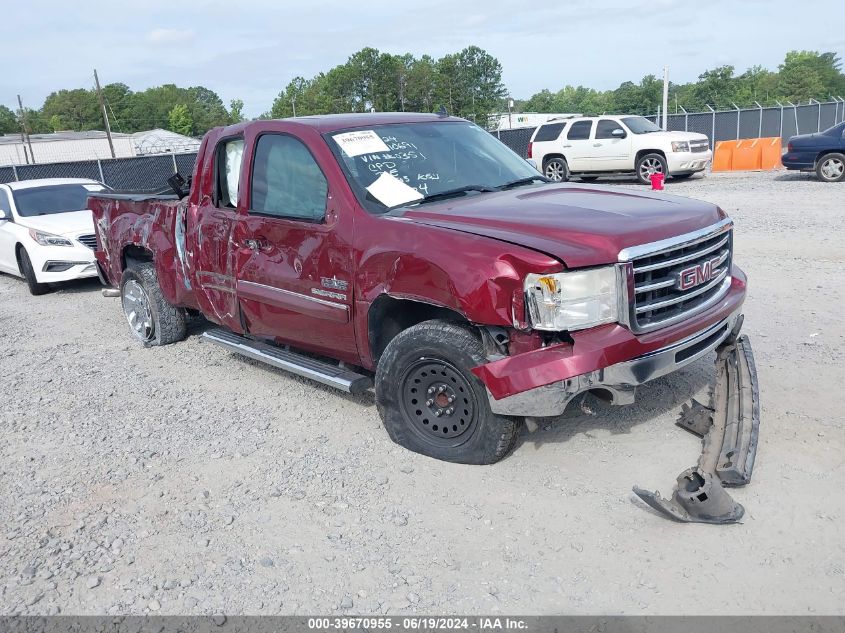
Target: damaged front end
[(730, 432)]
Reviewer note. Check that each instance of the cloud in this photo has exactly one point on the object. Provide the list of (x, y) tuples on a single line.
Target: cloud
[(170, 36)]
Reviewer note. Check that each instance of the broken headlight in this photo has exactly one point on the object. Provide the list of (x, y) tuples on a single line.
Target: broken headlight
[(573, 300)]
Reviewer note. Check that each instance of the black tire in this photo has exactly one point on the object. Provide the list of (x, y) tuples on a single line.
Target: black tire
[(648, 164), (683, 176), (556, 169), (419, 371), (28, 273), (831, 168), (156, 321), (588, 178)]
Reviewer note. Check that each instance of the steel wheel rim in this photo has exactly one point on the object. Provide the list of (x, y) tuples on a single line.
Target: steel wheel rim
[(833, 168), (438, 402), (136, 307), (555, 170), (650, 166)]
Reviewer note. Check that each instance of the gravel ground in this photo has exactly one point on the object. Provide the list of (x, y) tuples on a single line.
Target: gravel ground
[(185, 479)]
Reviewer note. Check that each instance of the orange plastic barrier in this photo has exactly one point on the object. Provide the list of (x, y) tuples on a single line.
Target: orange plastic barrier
[(747, 154)]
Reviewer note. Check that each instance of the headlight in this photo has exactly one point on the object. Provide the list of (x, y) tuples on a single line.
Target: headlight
[(572, 300), (680, 146), (48, 239)]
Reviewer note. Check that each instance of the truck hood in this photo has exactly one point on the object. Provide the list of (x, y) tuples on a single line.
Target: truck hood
[(578, 224), (67, 224), (677, 135)]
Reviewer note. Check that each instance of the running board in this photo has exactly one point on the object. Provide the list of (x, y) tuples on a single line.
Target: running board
[(322, 372)]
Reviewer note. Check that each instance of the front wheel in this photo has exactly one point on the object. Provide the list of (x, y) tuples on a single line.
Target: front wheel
[(152, 320), (556, 170), (649, 164), (28, 273), (431, 403), (831, 168)]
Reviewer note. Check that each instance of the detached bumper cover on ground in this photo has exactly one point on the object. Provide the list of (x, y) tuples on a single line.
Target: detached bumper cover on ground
[(730, 432)]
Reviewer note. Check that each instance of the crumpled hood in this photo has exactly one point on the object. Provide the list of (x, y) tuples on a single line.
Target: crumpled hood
[(68, 224), (582, 225)]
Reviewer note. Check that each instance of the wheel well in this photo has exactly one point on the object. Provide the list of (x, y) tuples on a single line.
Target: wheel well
[(134, 253), (825, 152), (643, 152), (18, 248), (548, 157), (389, 316)]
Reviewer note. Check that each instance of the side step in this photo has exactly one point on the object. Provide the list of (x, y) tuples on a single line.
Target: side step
[(326, 373)]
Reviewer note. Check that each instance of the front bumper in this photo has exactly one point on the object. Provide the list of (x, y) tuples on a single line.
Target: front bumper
[(609, 359), (54, 264), (684, 162)]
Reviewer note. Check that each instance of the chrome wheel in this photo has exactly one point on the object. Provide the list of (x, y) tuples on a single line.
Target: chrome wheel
[(136, 307), (832, 169), (556, 170), (650, 166)]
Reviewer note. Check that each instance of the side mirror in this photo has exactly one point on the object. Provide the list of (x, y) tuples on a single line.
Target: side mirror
[(533, 163), (618, 133)]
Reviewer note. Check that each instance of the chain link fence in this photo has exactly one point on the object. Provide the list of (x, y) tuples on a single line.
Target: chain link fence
[(728, 125), (139, 173)]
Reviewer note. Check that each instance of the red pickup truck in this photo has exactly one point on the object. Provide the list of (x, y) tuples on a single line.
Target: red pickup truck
[(416, 254)]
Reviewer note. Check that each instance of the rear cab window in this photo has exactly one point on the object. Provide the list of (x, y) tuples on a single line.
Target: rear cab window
[(228, 160), (579, 131)]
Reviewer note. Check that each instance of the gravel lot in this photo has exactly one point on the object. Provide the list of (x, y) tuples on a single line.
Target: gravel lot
[(185, 479)]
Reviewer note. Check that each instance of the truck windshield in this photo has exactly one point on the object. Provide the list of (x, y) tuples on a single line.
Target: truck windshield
[(640, 125), (51, 199), (396, 165)]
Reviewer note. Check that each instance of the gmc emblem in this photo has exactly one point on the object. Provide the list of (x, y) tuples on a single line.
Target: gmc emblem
[(698, 274)]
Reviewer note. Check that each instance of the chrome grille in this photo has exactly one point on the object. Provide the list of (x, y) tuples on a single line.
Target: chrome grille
[(699, 146), (675, 281), (88, 240)]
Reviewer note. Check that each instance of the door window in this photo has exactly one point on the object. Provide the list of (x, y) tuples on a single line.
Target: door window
[(579, 131), (605, 128), (228, 160), (5, 206), (286, 180)]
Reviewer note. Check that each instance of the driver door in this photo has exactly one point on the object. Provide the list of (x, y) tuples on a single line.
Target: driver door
[(293, 251)]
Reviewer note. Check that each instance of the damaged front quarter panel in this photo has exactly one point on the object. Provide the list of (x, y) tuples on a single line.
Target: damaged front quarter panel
[(730, 432)]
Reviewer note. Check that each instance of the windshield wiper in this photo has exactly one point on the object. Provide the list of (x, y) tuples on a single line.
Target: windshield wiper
[(450, 193), (523, 181)]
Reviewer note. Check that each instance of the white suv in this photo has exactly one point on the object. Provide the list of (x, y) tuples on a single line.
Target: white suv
[(589, 147)]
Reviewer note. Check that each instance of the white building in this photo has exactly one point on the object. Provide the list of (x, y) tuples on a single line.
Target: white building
[(516, 120), (61, 147)]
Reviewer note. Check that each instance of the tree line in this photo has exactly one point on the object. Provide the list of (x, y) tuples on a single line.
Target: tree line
[(467, 83), (803, 75)]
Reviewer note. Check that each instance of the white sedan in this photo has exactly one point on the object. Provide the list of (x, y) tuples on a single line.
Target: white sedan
[(46, 230)]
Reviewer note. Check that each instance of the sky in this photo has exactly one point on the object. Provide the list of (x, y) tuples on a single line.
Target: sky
[(251, 49)]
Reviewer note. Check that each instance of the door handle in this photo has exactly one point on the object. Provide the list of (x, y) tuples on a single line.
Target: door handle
[(567, 145), (596, 144)]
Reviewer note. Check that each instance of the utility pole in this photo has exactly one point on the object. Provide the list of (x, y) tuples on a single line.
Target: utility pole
[(293, 104), (665, 97), (25, 130), (103, 108)]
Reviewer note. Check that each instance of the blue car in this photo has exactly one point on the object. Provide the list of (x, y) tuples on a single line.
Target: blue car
[(823, 152)]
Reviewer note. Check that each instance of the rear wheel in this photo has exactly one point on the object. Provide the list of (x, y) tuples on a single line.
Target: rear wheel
[(831, 168), (649, 164), (556, 170), (152, 320), (28, 273), (431, 403)]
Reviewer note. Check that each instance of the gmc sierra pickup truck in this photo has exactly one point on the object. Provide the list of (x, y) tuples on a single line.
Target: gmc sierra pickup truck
[(417, 255)]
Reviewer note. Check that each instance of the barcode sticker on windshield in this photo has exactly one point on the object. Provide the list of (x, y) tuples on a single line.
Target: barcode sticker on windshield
[(359, 143), (392, 192)]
